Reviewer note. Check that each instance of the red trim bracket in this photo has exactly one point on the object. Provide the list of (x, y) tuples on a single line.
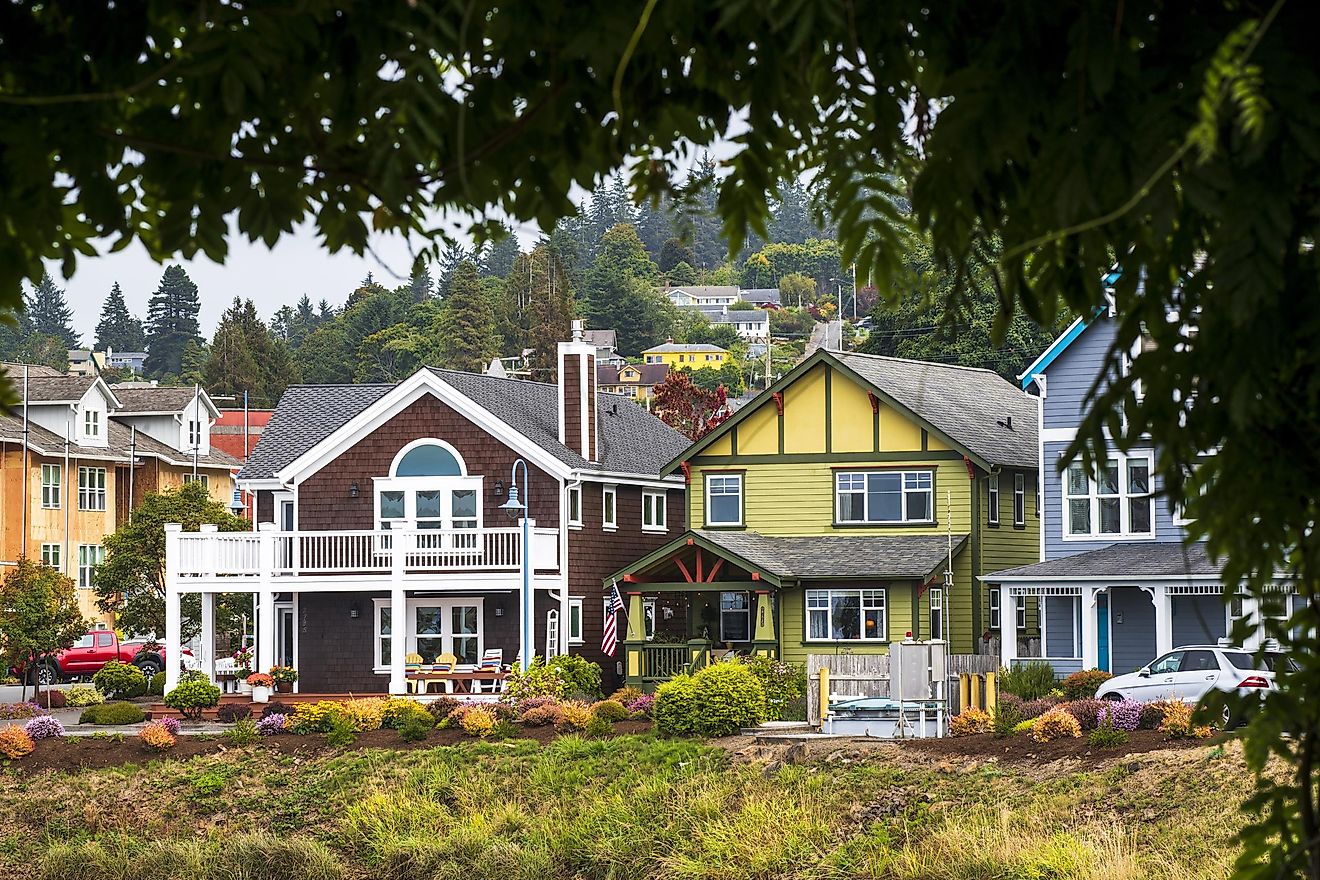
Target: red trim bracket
[(779, 401), (686, 467), (971, 471), (875, 402)]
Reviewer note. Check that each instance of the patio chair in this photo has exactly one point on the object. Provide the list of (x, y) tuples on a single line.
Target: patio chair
[(226, 673), (444, 663), (413, 663), (492, 660)]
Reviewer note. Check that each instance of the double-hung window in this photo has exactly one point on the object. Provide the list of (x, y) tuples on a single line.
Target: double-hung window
[(197, 478), (89, 557), (51, 475), (846, 615), (575, 505), (50, 555), (194, 434), (91, 488), (724, 499), (653, 511), (884, 496), (1019, 499), (1117, 501), (992, 508), (92, 423), (609, 507), (995, 607)]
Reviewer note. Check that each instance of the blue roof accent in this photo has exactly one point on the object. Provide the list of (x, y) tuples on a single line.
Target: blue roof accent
[(1040, 364)]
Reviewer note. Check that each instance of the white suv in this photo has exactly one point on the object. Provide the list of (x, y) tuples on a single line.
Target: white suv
[(1190, 672)]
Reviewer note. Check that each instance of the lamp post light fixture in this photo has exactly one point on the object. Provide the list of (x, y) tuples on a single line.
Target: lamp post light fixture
[(516, 508)]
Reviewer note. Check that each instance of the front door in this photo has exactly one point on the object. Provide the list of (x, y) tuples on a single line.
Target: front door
[(447, 626), (1102, 631), (284, 623)]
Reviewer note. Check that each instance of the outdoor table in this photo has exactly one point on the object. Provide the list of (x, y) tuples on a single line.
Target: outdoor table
[(462, 680)]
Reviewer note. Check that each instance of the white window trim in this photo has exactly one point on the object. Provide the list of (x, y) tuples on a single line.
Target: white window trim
[(89, 569), (609, 523), (742, 490), (574, 492), (1021, 613), (91, 423), (829, 613), (1124, 510), (578, 603), (52, 555), (87, 493), (657, 500), (410, 486), (382, 664), (204, 479), (904, 491), (996, 607), (935, 604), (1020, 500), (57, 486), (992, 503)]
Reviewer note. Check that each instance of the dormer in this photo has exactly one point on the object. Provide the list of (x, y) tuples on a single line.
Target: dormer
[(195, 425), (77, 408), (181, 417), (91, 417)]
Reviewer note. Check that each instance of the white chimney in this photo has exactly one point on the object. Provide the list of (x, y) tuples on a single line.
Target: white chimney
[(577, 395)]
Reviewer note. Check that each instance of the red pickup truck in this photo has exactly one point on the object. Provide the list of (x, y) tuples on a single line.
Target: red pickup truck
[(95, 649)]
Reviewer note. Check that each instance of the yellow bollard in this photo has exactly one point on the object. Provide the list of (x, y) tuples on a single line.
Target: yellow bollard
[(964, 691), (824, 694), (976, 691), (991, 693)]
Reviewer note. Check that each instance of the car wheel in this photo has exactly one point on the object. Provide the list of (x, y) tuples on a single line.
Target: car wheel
[(1112, 697), (149, 668), (45, 675)]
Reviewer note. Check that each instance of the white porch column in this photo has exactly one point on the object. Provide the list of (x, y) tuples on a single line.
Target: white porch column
[(266, 598), (1008, 637), (1251, 614), (1090, 632), (398, 614), (173, 613), (526, 596), (206, 653), (1163, 620)]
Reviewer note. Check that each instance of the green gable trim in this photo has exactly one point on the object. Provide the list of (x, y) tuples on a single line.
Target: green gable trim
[(829, 410), (768, 578), (838, 457)]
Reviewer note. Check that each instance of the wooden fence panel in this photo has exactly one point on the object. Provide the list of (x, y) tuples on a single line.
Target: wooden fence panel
[(867, 675)]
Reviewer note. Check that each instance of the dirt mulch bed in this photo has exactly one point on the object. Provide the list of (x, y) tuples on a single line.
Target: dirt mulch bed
[(1022, 748), (82, 752)]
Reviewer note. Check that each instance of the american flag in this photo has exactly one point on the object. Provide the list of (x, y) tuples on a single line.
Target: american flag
[(609, 642)]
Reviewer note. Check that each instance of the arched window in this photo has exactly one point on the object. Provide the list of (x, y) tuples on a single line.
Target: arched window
[(428, 460)]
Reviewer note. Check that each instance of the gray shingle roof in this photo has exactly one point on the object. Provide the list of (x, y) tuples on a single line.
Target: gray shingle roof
[(1122, 561), (119, 438), (903, 557), (632, 440), (683, 346), (15, 371), (971, 405), (158, 399), (47, 389), (651, 374)]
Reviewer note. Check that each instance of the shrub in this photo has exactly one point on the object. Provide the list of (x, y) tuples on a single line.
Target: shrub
[(80, 695), (315, 717), (112, 713), (537, 703), (1121, 714), (157, 738), (277, 708), (1037, 708), (15, 743), (610, 710), (340, 732), (785, 686), (728, 697), (243, 733), (1087, 712), (192, 697), (1152, 714), (1022, 727), (156, 687), (120, 681), (538, 681), (362, 715), (540, 716), (478, 721), (172, 725), (627, 694), (269, 725), (1081, 685), (416, 726), (1177, 723), (579, 674), (1054, 724), (643, 705), (598, 728), (503, 729), (1030, 681), (970, 721), (1106, 736), (51, 699), (395, 712), (44, 727), (441, 707), (574, 715), (503, 711), (1007, 715), (674, 709), (231, 712)]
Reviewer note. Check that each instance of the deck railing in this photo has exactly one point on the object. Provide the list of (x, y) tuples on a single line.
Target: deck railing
[(663, 662)]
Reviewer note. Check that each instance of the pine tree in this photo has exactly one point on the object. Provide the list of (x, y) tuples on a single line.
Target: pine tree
[(192, 362), (118, 329), (14, 329), (791, 220), (699, 224), (50, 314), (468, 326), (245, 357), (172, 323), (420, 285), (498, 257), (550, 315), (655, 225), (621, 293)]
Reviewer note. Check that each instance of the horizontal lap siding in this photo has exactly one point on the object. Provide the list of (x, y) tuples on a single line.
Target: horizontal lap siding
[(1198, 620), (1005, 546), (1070, 376), (792, 608)]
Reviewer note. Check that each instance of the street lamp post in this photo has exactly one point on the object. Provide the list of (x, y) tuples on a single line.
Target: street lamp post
[(515, 507)]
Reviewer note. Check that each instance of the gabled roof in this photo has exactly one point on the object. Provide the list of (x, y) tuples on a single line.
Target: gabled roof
[(651, 374), (159, 400), (972, 409), (57, 389), (15, 371), (732, 316), (601, 338), (1120, 562), (760, 294), (683, 347), (704, 289), (120, 446), (632, 440)]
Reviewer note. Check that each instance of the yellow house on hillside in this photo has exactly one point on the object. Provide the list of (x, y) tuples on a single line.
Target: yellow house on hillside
[(694, 356), (851, 504), (637, 381)]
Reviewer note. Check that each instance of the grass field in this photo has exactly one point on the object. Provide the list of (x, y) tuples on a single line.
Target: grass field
[(630, 807)]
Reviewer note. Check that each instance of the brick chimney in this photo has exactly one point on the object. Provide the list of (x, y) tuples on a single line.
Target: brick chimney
[(577, 395)]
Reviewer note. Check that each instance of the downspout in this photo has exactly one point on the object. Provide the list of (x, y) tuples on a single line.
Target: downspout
[(68, 429), (26, 501)]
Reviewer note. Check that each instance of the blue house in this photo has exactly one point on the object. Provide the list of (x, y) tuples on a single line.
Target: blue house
[(1119, 584)]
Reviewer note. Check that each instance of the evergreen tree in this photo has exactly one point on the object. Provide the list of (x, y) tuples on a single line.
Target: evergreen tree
[(450, 260), (245, 356), (192, 363), (400, 350), (698, 224), (621, 293), (44, 350), (15, 328), (325, 357), (655, 225), (467, 323), (675, 252), (681, 275), (50, 314), (550, 314), (420, 284), (791, 221), (118, 329), (498, 257), (172, 324)]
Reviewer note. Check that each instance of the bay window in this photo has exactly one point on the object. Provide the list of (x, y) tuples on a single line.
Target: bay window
[(847, 615), (1118, 500), (884, 496)]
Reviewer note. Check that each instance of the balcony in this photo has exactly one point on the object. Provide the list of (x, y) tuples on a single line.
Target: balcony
[(356, 555)]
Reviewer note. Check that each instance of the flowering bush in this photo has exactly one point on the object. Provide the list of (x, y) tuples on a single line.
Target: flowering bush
[(478, 721), (171, 724), (1177, 723), (645, 704), (260, 680), (243, 660), (44, 727), (1081, 685), (283, 674), (574, 715), (11, 711), (315, 717), (83, 695), (541, 716), (1054, 724), (15, 743), (363, 714), (538, 681), (395, 712), (1087, 712), (969, 721), (441, 708), (156, 737), (627, 695), (1122, 714), (269, 725), (1152, 714), (610, 710), (121, 681), (1037, 708)]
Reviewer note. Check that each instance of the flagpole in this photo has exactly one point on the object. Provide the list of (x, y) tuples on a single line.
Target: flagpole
[(627, 623)]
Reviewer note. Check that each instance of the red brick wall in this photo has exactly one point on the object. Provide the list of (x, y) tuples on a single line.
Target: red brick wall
[(324, 502)]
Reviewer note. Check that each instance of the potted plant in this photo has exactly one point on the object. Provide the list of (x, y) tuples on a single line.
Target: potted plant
[(284, 677), (261, 684), (243, 663)]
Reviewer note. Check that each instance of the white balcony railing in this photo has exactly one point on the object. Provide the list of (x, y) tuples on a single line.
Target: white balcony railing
[(349, 553)]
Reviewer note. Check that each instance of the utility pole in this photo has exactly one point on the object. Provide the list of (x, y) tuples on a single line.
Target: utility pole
[(26, 502)]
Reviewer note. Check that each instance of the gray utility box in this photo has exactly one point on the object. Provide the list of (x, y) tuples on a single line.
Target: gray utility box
[(918, 671)]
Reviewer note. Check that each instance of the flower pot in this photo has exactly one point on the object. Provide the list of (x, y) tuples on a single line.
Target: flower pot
[(244, 687), (260, 694), (283, 687)]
